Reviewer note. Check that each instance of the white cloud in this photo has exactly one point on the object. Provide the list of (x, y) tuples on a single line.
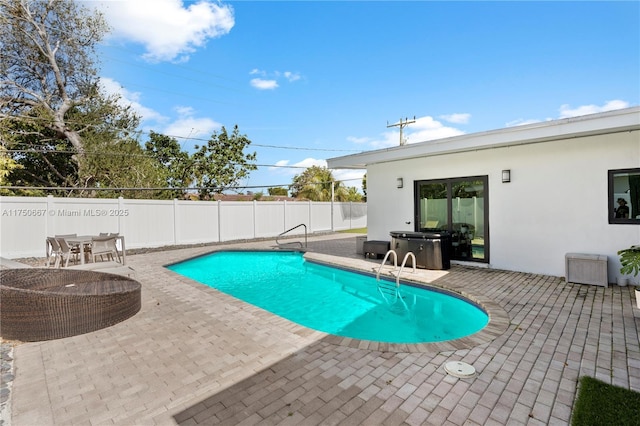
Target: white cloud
[(168, 30), (189, 126), (387, 139), (127, 98), (291, 76), (280, 163), (458, 118), (186, 125), (309, 162), (521, 122), (284, 168), (357, 140), (348, 177), (262, 84), (424, 129), (184, 111), (566, 111), (270, 80)]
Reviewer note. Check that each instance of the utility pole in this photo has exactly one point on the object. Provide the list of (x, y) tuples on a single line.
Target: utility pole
[(402, 124)]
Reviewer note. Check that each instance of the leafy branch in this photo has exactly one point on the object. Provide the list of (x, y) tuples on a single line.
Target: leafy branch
[(630, 260)]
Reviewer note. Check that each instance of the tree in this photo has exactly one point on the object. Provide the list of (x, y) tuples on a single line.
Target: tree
[(315, 184), (278, 191), (43, 159), (111, 158), (353, 194), (124, 164), (7, 166), (222, 163), (176, 165), (49, 92)]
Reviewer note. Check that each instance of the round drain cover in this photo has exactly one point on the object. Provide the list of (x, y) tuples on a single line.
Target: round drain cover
[(460, 369)]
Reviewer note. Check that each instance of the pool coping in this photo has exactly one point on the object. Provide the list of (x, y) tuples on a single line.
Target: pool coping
[(498, 318)]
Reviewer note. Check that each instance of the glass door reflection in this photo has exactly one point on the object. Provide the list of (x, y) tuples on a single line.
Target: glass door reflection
[(459, 206), (467, 219)]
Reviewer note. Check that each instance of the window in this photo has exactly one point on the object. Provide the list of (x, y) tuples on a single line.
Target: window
[(624, 196)]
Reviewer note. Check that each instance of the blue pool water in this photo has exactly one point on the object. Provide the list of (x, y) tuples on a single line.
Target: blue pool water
[(333, 300)]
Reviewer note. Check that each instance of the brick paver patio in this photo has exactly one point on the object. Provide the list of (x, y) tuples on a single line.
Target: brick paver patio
[(193, 355)]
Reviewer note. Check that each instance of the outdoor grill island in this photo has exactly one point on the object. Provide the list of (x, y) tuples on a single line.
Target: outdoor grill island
[(431, 249)]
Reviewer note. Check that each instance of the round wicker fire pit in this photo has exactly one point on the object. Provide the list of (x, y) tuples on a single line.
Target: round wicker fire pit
[(43, 304)]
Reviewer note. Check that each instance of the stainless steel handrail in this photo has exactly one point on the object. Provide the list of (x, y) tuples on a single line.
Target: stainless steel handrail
[(404, 262), (294, 242), (386, 288), (384, 261)]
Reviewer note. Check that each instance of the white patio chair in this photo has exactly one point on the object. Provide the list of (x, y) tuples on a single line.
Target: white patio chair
[(65, 236), (53, 250), (104, 246), (67, 251)]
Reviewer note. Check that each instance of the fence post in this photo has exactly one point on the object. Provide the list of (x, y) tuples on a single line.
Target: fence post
[(51, 215), (219, 221), (284, 215), (350, 214), (176, 221), (331, 213), (255, 219), (120, 217)]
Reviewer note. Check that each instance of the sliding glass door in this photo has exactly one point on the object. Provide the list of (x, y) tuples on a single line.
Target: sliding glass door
[(459, 206)]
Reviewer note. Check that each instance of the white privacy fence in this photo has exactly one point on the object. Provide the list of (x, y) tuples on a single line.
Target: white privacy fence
[(25, 222)]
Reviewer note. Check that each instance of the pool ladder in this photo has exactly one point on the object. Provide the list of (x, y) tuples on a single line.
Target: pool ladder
[(284, 245), (390, 292)]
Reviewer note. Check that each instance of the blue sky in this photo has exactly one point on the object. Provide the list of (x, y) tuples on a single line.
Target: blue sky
[(311, 80)]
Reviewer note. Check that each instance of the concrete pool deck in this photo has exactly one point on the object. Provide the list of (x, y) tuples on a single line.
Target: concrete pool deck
[(193, 355)]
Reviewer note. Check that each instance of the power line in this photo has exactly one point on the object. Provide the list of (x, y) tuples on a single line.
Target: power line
[(181, 77), (155, 70), (119, 154), (44, 150), (294, 148), (189, 137), (166, 188), (156, 89)]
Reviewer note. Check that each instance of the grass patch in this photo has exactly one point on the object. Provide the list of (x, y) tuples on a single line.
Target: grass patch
[(355, 231), (600, 403)]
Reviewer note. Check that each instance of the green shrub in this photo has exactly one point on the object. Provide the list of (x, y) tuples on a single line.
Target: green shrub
[(630, 260)]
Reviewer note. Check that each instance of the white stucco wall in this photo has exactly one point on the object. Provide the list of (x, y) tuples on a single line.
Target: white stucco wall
[(556, 201)]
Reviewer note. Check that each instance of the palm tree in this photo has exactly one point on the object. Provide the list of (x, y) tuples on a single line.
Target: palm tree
[(315, 184)]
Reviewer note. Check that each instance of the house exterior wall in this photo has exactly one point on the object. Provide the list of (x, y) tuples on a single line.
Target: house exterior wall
[(556, 202)]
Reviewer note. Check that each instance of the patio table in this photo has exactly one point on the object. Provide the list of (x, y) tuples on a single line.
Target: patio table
[(83, 241)]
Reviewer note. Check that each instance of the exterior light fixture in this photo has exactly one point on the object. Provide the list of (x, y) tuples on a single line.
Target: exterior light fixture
[(506, 176), (399, 183)]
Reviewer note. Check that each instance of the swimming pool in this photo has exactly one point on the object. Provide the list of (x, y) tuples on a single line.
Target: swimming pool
[(334, 300)]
